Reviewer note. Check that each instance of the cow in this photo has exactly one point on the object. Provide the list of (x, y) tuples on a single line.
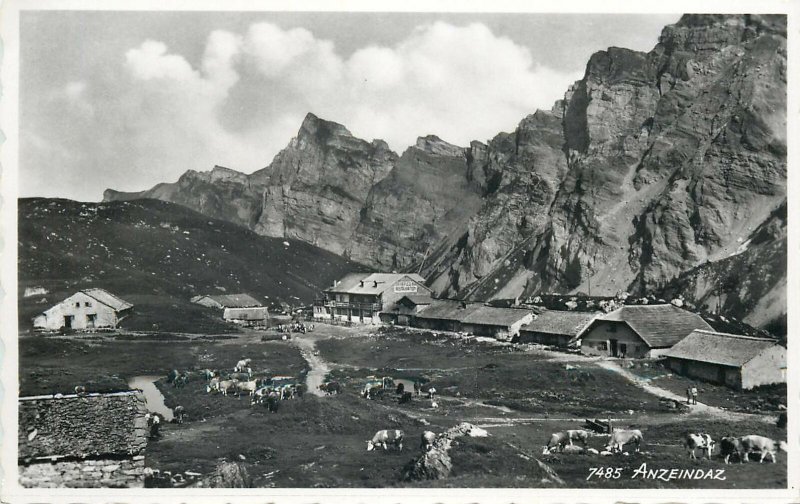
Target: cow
[(287, 391), (385, 438), (80, 390), (560, 439), (331, 387), (154, 423), (373, 391), (702, 441), (428, 438), (620, 438), (172, 375), (731, 446), (240, 376), (405, 398), (273, 399), (761, 444), (417, 388), (221, 386), (242, 366), (400, 389), (248, 387), (180, 380), (179, 412)]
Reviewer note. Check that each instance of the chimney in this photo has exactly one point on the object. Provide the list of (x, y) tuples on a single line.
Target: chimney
[(463, 304), (362, 283), (376, 284)]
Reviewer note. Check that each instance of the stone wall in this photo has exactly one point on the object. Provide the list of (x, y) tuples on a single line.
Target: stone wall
[(87, 473)]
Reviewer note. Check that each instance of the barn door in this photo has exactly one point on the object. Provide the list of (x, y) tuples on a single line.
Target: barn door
[(612, 347), (68, 321)]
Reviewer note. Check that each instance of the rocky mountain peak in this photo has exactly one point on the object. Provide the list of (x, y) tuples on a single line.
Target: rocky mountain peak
[(319, 130), (435, 145)]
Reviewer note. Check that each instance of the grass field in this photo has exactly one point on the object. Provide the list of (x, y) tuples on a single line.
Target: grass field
[(520, 397)]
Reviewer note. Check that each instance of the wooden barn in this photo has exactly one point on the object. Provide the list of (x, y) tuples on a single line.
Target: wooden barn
[(556, 328), (444, 315), (740, 362), (222, 301), (82, 441), (255, 316), (639, 331), (501, 323), (86, 309), (408, 307)]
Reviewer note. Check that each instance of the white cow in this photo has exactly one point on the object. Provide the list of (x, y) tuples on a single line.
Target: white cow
[(385, 438), (761, 444)]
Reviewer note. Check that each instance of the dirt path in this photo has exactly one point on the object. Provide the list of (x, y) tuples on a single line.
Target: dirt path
[(319, 366), (695, 409)]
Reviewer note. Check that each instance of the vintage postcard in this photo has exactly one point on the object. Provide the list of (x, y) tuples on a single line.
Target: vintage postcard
[(396, 252)]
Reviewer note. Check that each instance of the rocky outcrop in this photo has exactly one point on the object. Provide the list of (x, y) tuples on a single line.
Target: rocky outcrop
[(652, 165)]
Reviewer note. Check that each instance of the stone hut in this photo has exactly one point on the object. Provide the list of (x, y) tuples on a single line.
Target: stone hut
[(557, 328), (740, 362), (82, 441), (86, 309)]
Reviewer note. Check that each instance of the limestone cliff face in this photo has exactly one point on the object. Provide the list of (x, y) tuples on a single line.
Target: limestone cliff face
[(653, 165)]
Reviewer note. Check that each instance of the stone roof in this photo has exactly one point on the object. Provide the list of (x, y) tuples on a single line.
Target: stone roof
[(87, 425), (720, 348), (565, 323), (372, 283), (447, 309), (493, 316), (108, 299), (235, 300), (658, 325)]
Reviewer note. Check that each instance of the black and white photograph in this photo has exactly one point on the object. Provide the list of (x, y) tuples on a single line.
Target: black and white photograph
[(292, 251)]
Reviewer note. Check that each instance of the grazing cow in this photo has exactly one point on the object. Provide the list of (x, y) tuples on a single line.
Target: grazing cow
[(331, 387), (761, 444), (273, 399), (731, 446), (179, 412), (405, 398), (702, 441), (221, 386), (241, 366), (428, 439), (373, 391), (560, 439), (180, 380), (172, 375), (400, 389), (385, 438), (248, 387), (80, 390), (620, 438)]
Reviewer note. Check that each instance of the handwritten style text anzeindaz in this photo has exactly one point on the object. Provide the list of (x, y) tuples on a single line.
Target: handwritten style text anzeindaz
[(661, 474)]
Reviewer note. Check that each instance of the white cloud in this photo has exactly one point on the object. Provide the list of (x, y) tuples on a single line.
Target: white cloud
[(245, 98)]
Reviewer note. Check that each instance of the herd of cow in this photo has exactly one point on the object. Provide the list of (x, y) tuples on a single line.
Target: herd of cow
[(739, 447)]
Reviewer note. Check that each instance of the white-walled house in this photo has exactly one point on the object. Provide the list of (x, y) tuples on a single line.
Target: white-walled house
[(86, 309)]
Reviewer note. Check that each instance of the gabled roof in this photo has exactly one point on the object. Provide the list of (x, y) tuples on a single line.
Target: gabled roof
[(493, 316), (658, 325), (235, 300), (719, 348), (255, 313), (447, 309), (108, 299), (565, 323), (82, 426), (417, 299), (372, 283)]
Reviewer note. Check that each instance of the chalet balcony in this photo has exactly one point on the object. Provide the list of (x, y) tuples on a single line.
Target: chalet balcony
[(367, 307)]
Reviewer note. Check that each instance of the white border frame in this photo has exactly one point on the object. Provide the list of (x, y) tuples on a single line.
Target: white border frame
[(9, 176)]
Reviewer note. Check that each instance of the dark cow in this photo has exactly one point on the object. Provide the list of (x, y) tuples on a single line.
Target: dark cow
[(405, 398), (385, 438), (701, 441), (331, 387), (731, 446), (400, 389)]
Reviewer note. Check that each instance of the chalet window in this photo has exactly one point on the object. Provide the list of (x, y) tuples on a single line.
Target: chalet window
[(77, 304), (87, 304), (91, 319), (602, 345)]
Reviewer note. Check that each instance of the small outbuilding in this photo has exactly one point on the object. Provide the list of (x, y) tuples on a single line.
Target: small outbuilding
[(82, 441), (740, 362), (86, 309), (501, 323), (256, 316), (640, 331), (409, 306), (444, 315), (556, 328)]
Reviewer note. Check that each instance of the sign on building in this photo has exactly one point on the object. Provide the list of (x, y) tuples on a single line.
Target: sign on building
[(405, 286)]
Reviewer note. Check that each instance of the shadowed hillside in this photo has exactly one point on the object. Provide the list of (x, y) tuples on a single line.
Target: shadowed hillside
[(158, 255)]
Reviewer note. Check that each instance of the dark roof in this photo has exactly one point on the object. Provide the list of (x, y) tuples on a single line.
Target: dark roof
[(447, 309), (658, 325), (236, 300), (493, 316), (82, 426), (373, 283), (255, 313), (720, 348), (417, 299), (566, 323), (108, 299)]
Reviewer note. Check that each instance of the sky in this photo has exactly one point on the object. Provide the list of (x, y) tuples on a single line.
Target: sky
[(126, 100)]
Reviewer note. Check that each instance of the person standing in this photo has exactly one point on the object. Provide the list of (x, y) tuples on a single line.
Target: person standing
[(689, 395), (694, 394)]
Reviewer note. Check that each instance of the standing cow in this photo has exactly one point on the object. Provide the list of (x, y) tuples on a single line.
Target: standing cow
[(731, 446), (385, 438), (701, 441), (764, 445), (620, 438)]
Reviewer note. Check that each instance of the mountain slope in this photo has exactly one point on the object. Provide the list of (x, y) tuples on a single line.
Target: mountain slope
[(158, 255), (652, 165)]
